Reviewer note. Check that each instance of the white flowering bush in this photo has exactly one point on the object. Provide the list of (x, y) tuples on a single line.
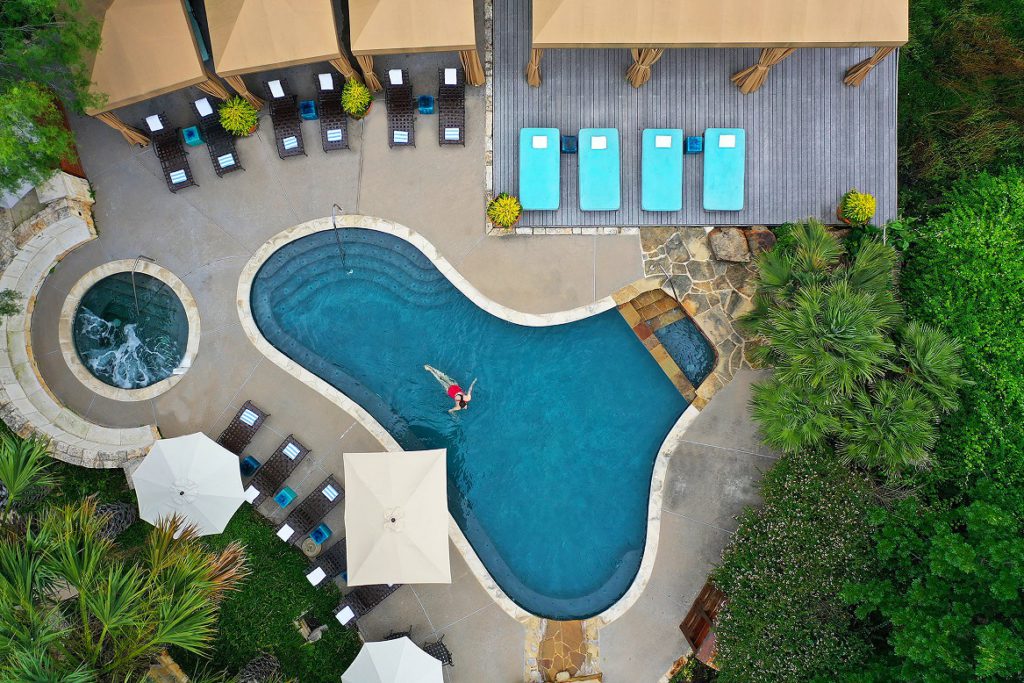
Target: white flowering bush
[(783, 572)]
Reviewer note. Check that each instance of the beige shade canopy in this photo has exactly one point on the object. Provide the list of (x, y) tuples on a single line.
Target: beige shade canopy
[(396, 517), (380, 27), (719, 23), (147, 49), (256, 35)]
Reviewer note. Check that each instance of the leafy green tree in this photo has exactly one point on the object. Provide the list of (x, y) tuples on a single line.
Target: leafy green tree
[(848, 372), (44, 50), (79, 611), (10, 302), (784, 571)]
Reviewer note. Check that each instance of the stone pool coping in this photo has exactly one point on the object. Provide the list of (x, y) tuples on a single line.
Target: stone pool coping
[(266, 250), (67, 319)]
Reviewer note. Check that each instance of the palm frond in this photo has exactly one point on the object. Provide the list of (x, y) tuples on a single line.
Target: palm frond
[(890, 430), (792, 420), (932, 364), (817, 250), (23, 464)]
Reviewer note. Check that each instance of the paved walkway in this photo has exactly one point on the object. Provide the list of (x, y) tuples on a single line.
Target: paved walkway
[(206, 234)]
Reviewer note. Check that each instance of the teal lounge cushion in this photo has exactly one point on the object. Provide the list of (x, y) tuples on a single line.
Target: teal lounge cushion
[(725, 151), (662, 170), (539, 169), (599, 169)]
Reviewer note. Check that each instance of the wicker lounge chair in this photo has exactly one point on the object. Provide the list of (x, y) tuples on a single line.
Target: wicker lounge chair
[(333, 120), (451, 107), (310, 511), (329, 564), (171, 153), (440, 652), (284, 113), (219, 143), (395, 635), (360, 601), (243, 426), (399, 99), (279, 466)]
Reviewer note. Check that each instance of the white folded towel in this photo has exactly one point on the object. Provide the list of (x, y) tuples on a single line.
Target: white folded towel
[(248, 417), (275, 88), (599, 142), (291, 450), (226, 160), (334, 135), (401, 136), (330, 493), (178, 176), (203, 107), (450, 77), (153, 121), (290, 142), (395, 76), (451, 133), (663, 141), (540, 141), (251, 493), (345, 615), (326, 81), (316, 576), (726, 141), (285, 532)]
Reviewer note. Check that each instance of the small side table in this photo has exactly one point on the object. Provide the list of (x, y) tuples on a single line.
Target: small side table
[(570, 144), (307, 110), (284, 497), (694, 144), (248, 466), (425, 104), (320, 534), (192, 136)]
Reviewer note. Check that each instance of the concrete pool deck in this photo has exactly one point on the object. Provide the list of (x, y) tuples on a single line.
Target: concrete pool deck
[(205, 235)]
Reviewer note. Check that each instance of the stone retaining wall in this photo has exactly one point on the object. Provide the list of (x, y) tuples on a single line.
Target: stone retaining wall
[(26, 404)]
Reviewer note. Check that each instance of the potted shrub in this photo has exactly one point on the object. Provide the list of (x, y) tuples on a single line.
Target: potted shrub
[(856, 208), (504, 211), (238, 116), (356, 99)]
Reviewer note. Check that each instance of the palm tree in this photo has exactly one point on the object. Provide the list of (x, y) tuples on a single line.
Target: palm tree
[(890, 430), (832, 339), (792, 420), (931, 362), (77, 601), (23, 464)]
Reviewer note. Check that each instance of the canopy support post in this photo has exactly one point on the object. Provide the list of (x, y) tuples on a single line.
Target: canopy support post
[(212, 86)]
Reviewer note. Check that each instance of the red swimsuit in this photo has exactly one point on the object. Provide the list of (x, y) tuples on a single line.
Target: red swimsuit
[(453, 390)]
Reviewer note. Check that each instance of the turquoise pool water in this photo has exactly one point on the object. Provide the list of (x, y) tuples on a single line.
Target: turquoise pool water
[(549, 470)]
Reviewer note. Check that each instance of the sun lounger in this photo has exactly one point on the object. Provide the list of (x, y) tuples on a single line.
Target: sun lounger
[(333, 120), (599, 169), (360, 601), (284, 113), (271, 475), (725, 151), (539, 169), (399, 100), (329, 564), (440, 652), (243, 426), (661, 175), (310, 511), (170, 151), (219, 142), (451, 107)]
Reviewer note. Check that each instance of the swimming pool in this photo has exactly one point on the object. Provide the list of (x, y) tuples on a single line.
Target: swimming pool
[(550, 469)]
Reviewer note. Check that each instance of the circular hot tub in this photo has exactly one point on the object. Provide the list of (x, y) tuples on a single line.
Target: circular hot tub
[(129, 330)]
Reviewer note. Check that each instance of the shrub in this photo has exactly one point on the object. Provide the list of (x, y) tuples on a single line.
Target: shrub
[(355, 98), (504, 210), (784, 571), (857, 207), (848, 372), (238, 116)]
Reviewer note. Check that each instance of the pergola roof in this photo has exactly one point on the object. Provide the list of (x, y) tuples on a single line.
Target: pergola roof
[(719, 23), (147, 49), (399, 26), (256, 35)]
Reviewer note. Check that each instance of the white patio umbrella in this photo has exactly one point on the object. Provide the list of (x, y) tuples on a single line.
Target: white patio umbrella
[(396, 517), (393, 661), (193, 477)]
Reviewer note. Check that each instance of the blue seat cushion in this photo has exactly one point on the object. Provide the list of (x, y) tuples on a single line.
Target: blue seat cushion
[(599, 170), (724, 168), (539, 170), (662, 170)]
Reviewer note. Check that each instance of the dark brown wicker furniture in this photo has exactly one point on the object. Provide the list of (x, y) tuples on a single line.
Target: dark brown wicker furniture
[(237, 435), (401, 118), (311, 511), (171, 153), (284, 113), (451, 109), (440, 652), (331, 562), (277, 468), (362, 600), (219, 143), (333, 120)]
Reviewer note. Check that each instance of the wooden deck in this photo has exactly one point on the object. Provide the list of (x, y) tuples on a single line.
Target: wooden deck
[(809, 137)]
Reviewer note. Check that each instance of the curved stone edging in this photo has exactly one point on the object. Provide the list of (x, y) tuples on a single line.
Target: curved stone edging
[(70, 307), (27, 405), (325, 389)]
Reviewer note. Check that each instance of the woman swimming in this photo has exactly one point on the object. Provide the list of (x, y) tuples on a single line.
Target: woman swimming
[(461, 396)]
